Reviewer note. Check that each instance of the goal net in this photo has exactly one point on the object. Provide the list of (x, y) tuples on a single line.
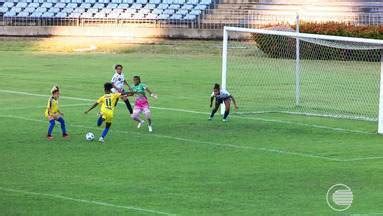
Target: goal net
[(288, 72)]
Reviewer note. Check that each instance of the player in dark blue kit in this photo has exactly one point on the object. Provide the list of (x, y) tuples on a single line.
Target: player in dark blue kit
[(221, 96)]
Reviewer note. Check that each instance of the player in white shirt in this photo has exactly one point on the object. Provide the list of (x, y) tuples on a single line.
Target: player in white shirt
[(221, 96), (118, 81)]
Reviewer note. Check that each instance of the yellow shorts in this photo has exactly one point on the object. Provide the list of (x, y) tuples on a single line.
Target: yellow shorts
[(107, 116)]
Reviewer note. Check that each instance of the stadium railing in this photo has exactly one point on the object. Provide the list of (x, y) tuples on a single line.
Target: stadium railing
[(207, 20)]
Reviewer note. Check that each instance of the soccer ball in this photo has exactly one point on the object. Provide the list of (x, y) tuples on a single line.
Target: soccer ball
[(89, 136)]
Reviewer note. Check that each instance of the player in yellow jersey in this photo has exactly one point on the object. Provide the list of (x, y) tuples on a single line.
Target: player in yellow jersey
[(53, 114), (107, 103)]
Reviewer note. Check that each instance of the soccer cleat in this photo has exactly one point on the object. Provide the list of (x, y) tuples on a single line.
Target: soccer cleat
[(150, 128), (101, 140), (140, 124), (210, 118), (49, 137), (224, 120), (65, 136)]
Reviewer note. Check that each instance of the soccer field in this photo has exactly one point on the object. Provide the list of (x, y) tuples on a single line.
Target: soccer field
[(260, 164)]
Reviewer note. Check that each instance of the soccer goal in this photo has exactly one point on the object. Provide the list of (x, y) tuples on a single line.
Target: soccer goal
[(284, 71)]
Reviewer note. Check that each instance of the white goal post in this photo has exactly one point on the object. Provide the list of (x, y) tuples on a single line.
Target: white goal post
[(336, 76)]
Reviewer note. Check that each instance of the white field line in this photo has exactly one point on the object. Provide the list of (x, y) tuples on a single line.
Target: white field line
[(84, 201), (270, 150), (42, 107), (343, 130)]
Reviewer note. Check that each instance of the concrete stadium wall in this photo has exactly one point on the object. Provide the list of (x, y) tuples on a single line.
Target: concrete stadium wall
[(111, 31)]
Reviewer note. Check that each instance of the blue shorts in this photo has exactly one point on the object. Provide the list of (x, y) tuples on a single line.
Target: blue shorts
[(222, 100)]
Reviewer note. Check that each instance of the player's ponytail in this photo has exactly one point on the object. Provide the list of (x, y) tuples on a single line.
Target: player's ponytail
[(217, 86), (55, 89)]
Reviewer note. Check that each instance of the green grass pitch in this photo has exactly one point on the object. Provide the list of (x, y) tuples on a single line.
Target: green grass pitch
[(265, 164)]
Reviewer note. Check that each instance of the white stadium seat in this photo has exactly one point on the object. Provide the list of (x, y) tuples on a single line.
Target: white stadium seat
[(71, 5), (34, 4), (154, 1), (23, 14), (61, 15), (163, 16), (112, 5), (3, 9), (192, 2), (93, 10), (176, 17), (60, 5), (16, 9), (182, 12), (54, 10), (21, 4), (151, 16), (136, 6), (47, 15), (200, 7), (78, 10), (157, 11), (74, 15), (123, 6), (98, 5), (67, 10), (163, 6), (36, 14), (150, 6), (169, 11), (205, 2), (195, 12), (86, 5), (125, 16), (187, 7), (174, 6), (10, 14), (190, 17)]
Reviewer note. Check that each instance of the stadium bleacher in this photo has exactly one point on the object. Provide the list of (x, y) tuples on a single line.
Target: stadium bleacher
[(187, 10), (236, 11)]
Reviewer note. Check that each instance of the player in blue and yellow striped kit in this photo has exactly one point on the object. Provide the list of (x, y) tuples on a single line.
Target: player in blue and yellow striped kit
[(53, 114)]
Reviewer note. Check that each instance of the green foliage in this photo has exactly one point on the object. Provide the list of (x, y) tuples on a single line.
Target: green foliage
[(283, 47)]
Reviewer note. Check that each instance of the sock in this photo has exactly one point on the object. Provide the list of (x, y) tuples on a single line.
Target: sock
[(62, 122), (51, 126), (105, 131), (213, 113), (128, 106), (226, 114), (99, 121)]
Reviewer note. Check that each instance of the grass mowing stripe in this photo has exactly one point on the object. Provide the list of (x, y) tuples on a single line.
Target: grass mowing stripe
[(85, 201), (337, 129), (42, 107), (277, 151)]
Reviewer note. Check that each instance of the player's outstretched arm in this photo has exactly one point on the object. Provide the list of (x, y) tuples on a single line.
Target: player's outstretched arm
[(235, 102), (127, 84), (151, 93), (92, 107), (211, 101)]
